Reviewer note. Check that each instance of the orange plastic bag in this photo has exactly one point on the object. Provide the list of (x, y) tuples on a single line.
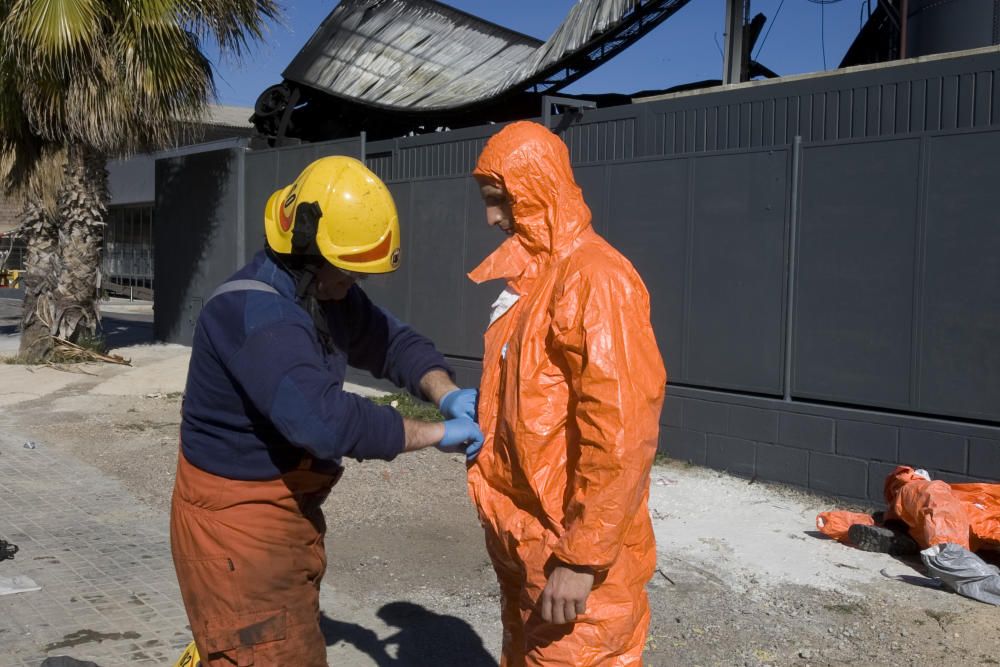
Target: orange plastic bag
[(836, 524)]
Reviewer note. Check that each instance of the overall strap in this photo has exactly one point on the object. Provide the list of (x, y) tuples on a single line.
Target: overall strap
[(240, 286)]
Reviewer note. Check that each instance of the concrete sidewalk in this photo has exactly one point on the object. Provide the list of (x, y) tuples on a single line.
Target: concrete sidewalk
[(103, 561), (742, 578), (108, 591)]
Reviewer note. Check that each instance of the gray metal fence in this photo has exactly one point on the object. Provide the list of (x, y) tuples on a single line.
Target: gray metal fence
[(820, 253), (821, 256), (127, 266), (209, 212)]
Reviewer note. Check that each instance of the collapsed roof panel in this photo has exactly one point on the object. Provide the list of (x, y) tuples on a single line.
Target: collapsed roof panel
[(409, 54), (422, 55)]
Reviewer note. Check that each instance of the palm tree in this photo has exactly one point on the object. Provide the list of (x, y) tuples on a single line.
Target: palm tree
[(82, 80)]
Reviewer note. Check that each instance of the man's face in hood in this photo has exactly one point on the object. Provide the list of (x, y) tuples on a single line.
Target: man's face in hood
[(527, 184), (498, 205)]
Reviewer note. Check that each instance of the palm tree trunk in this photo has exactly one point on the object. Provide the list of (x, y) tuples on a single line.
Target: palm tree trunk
[(83, 207), (41, 266)]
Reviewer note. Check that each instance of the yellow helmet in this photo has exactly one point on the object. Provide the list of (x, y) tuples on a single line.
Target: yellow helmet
[(340, 209), (189, 658)]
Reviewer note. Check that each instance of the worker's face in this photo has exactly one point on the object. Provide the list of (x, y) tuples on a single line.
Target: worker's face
[(498, 206), (332, 283)]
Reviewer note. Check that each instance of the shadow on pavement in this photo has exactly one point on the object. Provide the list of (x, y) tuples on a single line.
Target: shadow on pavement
[(119, 329), (424, 638), (123, 331), (118, 332)]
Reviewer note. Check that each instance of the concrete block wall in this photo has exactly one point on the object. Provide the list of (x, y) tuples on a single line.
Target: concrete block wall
[(834, 451), (831, 450), (9, 215)]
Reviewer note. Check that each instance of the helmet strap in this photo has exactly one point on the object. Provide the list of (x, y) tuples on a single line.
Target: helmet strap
[(303, 270), (307, 217)]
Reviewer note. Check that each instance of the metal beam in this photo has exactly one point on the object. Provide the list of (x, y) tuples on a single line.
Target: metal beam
[(646, 16), (734, 59), (548, 101), (904, 28)]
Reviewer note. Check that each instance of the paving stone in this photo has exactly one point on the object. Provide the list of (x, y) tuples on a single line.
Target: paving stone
[(83, 559), (93, 548)]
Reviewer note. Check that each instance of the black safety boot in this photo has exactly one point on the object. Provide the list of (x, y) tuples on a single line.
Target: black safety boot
[(882, 540)]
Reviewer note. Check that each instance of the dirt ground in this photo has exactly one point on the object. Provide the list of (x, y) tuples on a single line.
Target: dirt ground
[(743, 579)]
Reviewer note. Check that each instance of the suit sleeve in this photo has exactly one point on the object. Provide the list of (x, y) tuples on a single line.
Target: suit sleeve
[(386, 347), (281, 371), (601, 330)]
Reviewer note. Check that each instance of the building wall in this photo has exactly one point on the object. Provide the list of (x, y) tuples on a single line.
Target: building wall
[(208, 219), (9, 215), (820, 255)]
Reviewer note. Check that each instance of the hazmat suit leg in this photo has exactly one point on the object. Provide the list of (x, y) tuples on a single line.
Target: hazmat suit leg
[(249, 558), (512, 650), (612, 632)]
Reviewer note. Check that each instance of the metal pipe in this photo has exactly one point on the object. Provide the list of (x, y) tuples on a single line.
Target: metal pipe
[(733, 58), (904, 13), (793, 239)]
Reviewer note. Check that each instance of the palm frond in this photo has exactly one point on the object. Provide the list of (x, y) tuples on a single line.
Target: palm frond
[(232, 24), (53, 33)]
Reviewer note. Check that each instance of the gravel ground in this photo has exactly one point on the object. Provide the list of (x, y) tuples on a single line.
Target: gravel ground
[(743, 580)]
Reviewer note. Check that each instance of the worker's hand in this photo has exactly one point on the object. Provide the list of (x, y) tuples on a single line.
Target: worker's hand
[(459, 403), (565, 595), (462, 435)]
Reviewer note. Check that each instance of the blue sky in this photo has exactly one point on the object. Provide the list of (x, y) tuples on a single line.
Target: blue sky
[(683, 49)]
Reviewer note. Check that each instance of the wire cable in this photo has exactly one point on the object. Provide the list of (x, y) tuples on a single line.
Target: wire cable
[(822, 31), (822, 23), (770, 25)]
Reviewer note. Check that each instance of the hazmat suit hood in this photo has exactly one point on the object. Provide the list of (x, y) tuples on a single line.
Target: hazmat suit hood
[(550, 215)]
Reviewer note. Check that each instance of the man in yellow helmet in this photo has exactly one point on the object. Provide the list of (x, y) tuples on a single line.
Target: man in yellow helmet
[(266, 422)]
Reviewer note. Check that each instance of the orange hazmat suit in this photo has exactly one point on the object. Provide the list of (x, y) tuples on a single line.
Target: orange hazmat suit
[(934, 511), (570, 400), (937, 512)]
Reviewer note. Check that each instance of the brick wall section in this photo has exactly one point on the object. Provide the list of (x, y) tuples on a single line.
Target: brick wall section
[(830, 450), (9, 215)]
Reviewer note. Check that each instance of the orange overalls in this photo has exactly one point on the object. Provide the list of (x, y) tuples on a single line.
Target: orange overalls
[(250, 557), (570, 400)]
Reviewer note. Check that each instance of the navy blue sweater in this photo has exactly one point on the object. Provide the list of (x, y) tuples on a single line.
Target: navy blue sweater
[(262, 391)]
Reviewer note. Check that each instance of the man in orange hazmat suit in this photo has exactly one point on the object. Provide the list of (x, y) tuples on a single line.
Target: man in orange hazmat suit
[(934, 512), (939, 513), (569, 403)]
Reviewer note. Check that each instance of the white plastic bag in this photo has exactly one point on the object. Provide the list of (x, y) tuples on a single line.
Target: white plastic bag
[(963, 572)]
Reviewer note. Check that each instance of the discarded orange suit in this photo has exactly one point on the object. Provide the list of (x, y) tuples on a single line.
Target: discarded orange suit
[(569, 403), (937, 512), (835, 524), (250, 557)]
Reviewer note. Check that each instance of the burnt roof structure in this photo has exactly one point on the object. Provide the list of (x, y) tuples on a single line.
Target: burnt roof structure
[(392, 67)]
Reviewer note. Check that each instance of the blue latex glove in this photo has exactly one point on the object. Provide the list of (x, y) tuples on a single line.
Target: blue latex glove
[(460, 403), (462, 435)]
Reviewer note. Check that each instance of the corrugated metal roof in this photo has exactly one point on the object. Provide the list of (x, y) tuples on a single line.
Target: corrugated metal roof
[(424, 55), (227, 116)]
